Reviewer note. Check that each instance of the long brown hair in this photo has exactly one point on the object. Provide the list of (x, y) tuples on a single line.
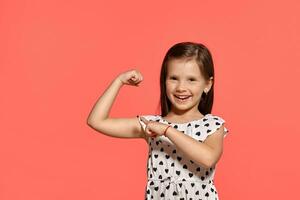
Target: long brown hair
[(202, 56)]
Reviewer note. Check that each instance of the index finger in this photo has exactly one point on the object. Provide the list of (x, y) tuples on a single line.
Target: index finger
[(144, 120)]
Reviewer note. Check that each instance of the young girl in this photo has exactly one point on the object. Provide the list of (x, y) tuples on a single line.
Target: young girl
[(186, 140)]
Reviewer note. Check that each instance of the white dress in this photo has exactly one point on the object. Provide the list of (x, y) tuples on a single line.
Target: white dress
[(171, 175)]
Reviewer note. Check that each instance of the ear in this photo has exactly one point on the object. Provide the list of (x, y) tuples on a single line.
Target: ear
[(209, 83)]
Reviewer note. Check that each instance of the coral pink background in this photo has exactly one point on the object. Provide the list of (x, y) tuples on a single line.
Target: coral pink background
[(57, 57)]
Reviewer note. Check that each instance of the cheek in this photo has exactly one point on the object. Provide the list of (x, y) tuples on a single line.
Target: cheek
[(169, 92), (197, 88), (170, 86)]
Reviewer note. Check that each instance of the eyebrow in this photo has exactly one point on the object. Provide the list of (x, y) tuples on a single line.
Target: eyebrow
[(188, 76)]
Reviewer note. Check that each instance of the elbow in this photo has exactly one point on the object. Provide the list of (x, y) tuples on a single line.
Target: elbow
[(210, 161), (208, 164), (90, 122), (97, 125)]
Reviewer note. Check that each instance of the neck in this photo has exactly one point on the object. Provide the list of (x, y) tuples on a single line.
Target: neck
[(184, 115)]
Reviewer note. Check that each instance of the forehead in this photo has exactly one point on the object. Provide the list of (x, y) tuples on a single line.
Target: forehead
[(183, 67)]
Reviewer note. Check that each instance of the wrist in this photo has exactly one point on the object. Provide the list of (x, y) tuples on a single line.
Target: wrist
[(166, 129), (119, 81)]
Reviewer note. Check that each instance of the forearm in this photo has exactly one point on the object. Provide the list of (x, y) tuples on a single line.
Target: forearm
[(193, 149), (101, 109)]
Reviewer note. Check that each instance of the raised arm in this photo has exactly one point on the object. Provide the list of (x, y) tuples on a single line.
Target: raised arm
[(99, 119)]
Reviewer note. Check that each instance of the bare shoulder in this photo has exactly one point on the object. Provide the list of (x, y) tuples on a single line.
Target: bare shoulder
[(215, 140)]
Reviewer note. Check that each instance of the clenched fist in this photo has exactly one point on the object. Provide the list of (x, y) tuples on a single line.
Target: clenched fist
[(131, 77)]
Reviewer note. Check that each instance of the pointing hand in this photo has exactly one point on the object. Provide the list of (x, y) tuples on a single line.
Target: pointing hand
[(154, 128)]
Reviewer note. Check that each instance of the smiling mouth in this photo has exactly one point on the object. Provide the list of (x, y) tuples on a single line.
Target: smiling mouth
[(182, 99)]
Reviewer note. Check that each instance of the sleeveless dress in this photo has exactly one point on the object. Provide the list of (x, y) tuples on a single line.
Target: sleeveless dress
[(173, 176)]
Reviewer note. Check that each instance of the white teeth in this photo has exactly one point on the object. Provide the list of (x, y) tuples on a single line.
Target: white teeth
[(181, 99)]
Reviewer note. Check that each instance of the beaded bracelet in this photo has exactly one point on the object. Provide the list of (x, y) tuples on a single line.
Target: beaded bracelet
[(166, 130)]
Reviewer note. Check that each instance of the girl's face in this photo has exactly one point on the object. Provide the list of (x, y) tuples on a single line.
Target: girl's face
[(184, 85)]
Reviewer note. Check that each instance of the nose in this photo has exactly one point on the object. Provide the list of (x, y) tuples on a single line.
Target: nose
[(180, 86)]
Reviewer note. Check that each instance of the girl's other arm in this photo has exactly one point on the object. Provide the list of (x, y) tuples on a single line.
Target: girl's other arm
[(99, 119), (206, 153)]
